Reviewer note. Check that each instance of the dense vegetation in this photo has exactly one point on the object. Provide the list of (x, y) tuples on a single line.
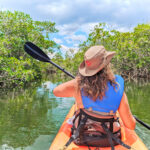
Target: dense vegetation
[(16, 67), (132, 48)]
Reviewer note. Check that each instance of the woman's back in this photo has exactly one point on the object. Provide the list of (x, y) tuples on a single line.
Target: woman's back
[(110, 102)]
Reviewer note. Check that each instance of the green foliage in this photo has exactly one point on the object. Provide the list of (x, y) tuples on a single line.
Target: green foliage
[(133, 50), (15, 29), (17, 68)]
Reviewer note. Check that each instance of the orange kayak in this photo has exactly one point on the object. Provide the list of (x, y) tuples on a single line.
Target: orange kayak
[(128, 136)]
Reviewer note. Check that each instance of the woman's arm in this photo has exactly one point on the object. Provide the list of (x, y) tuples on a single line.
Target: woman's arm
[(125, 113), (66, 89)]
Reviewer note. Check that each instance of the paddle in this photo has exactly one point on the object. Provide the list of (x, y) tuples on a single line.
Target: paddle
[(142, 123), (38, 54)]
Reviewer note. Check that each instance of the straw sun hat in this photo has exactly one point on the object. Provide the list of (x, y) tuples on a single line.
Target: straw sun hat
[(95, 59)]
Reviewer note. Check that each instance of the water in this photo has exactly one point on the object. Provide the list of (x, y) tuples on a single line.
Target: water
[(30, 119), (139, 100)]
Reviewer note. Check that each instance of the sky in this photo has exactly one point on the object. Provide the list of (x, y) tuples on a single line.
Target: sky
[(75, 19)]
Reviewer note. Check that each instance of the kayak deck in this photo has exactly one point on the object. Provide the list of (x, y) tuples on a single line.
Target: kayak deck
[(128, 136)]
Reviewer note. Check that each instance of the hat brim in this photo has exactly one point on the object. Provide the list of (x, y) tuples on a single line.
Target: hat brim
[(90, 72)]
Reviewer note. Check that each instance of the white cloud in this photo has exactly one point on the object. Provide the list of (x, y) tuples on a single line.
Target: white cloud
[(76, 38), (123, 28), (65, 49), (54, 9), (88, 27), (123, 12), (76, 45), (58, 41), (68, 29), (86, 11), (69, 41), (83, 15), (68, 32), (71, 38)]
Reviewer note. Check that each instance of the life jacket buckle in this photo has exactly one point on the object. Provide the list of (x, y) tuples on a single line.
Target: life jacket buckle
[(111, 112)]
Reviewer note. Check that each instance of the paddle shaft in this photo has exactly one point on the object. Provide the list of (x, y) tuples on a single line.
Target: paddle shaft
[(142, 123), (69, 74)]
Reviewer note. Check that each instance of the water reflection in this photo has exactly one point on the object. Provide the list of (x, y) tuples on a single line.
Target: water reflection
[(29, 120), (139, 99)]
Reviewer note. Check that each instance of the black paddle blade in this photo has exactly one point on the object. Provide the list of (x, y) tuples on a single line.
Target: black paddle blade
[(36, 52)]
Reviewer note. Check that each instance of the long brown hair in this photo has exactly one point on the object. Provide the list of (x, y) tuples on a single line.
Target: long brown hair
[(96, 85)]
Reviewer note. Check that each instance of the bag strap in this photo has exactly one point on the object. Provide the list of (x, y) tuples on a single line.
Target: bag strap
[(114, 138), (77, 132)]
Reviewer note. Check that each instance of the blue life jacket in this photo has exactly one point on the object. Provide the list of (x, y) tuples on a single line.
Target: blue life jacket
[(111, 100)]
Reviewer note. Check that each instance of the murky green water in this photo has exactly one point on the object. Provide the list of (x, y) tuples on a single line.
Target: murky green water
[(30, 119)]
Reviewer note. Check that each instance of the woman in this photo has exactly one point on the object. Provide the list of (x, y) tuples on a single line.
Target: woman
[(98, 91)]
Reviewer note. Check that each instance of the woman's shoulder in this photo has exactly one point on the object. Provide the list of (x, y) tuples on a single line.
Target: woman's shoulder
[(120, 81), (119, 78), (66, 89)]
